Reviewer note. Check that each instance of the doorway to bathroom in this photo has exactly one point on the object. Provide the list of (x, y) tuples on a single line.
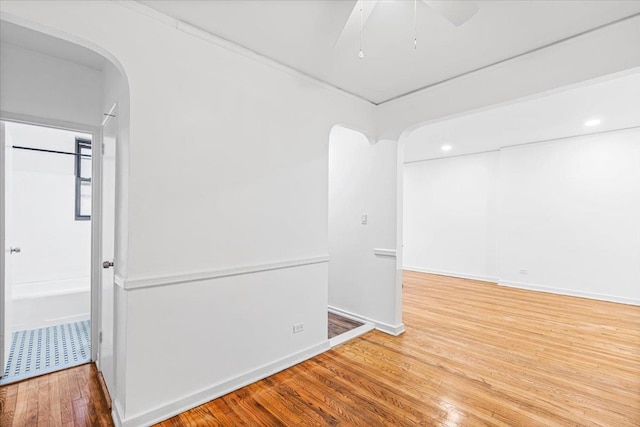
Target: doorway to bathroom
[(47, 175)]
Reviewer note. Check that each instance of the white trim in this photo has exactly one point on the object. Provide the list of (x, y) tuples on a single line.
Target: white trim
[(480, 277), (109, 114), (349, 335), (164, 412), (234, 47), (3, 282), (511, 58), (50, 123), (96, 241), (519, 99), (394, 330), (119, 280), (116, 413), (150, 282), (384, 252), (569, 292)]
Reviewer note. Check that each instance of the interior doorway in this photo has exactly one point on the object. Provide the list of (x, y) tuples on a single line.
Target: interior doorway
[(47, 231), (349, 234), (62, 83)]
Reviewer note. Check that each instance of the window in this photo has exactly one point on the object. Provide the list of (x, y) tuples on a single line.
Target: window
[(83, 179)]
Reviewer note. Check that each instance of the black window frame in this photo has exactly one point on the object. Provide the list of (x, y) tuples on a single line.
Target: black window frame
[(80, 144)]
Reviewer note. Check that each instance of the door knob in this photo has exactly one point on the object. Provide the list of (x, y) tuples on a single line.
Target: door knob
[(107, 264), (14, 250)]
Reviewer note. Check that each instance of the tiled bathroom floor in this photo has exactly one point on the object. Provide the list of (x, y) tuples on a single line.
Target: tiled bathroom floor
[(40, 351)]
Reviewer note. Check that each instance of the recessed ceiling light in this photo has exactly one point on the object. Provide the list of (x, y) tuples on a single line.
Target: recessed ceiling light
[(446, 147), (592, 122)]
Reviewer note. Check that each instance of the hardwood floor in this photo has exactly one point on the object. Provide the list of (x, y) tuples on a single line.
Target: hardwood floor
[(474, 353), (71, 397), (339, 325)]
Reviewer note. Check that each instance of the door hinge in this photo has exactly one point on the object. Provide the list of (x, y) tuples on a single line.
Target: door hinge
[(100, 337), (103, 148)]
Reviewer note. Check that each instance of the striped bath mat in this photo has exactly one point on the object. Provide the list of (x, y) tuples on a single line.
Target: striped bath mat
[(39, 351)]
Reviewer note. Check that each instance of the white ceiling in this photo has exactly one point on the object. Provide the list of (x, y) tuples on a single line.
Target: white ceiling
[(52, 46), (302, 35), (615, 102)]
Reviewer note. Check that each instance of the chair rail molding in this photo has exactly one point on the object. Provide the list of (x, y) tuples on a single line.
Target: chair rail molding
[(129, 284)]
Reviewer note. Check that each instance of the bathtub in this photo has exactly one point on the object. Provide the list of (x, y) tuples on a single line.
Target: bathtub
[(40, 304)]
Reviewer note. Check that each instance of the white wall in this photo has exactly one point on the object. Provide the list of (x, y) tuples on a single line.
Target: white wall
[(256, 331), (567, 212), (46, 87), (570, 215), (56, 248), (449, 215), (227, 171), (362, 182)]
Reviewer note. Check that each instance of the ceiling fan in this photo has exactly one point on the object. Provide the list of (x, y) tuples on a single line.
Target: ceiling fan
[(456, 12)]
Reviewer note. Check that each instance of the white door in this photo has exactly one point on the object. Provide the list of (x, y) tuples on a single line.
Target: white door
[(105, 351), (5, 243)]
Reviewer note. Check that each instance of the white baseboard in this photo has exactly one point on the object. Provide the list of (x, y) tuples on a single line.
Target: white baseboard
[(569, 292), (529, 286), (116, 414), (191, 401), (349, 335), (394, 330), (452, 274)]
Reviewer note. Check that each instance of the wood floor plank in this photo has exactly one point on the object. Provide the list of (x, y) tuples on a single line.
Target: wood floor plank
[(250, 410), (71, 397), (222, 411), (338, 325), (44, 401), (20, 412), (340, 405), (474, 353), (55, 411), (277, 406), (66, 401), (80, 413), (8, 397)]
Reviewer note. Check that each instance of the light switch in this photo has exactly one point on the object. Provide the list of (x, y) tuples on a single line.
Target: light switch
[(363, 221)]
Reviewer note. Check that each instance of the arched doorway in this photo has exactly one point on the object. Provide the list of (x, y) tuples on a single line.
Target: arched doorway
[(72, 90)]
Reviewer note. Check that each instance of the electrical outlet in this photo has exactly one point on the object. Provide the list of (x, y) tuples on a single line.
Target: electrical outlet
[(297, 328), (363, 220), (524, 271)]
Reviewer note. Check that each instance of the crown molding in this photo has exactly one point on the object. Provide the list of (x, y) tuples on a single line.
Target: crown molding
[(235, 47)]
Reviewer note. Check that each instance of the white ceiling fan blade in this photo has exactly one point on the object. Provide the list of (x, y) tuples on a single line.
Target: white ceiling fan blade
[(456, 12), (351, 29)]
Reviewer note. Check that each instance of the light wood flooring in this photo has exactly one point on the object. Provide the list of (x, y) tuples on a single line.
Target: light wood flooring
[(474, 353), (71, 397)]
